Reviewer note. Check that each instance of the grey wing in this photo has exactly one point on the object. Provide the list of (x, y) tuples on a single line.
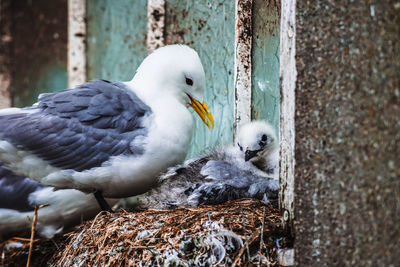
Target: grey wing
[(224, 181), (15, 190), (208, 180), (175, 188), (79, 128)]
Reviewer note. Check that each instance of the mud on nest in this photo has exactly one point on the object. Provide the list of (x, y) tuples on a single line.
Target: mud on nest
[(237, 232)]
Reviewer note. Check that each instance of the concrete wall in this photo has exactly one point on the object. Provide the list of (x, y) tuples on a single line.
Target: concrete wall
[(347, 176)]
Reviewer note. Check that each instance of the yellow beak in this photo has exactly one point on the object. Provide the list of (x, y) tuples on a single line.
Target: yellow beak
[(203, 112)]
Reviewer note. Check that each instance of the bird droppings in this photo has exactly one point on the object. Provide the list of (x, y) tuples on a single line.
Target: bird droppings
[(220, 235)]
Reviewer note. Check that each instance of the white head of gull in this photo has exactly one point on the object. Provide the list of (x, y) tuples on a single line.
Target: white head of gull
[(246, 169), (110, 138), (176, 72)]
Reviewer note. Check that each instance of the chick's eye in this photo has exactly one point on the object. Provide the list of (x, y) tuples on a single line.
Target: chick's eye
[(189, 81), (241, 148), (264, 137)]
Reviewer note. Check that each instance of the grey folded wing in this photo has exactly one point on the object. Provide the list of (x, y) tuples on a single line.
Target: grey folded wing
[(225, 181), (79, 128), (15, 190)]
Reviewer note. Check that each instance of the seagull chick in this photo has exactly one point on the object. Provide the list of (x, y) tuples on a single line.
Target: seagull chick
[(19, 196), (110, 138), (247, 169)]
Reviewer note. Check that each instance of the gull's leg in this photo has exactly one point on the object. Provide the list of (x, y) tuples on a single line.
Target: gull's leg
[(102, 202)]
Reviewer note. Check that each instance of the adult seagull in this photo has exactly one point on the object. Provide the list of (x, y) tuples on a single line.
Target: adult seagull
[(19, 195), (247, 169), (110, 138)]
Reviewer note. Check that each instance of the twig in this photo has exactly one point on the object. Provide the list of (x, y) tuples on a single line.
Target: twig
[(35, 217), (3, 256), (55, 244), (173, 247), (248, 243), (247, 249), (151, 251), (262, 236)]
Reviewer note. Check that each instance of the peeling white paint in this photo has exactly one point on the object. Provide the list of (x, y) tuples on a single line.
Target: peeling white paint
[(76, 42), (155, 24), (288, 75), (242, 62), (5, 99)]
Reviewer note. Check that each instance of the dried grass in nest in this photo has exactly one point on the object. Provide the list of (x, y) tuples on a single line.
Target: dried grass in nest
[(42, 251), (222, 235), (182, 237)]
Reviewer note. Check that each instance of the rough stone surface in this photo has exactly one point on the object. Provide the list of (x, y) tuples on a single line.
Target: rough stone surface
[(347, 183)]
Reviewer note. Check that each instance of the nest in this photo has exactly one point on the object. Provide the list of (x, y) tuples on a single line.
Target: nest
[(235, 233)]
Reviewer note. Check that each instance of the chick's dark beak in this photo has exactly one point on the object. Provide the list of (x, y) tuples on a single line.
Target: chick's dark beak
[(249, 154)]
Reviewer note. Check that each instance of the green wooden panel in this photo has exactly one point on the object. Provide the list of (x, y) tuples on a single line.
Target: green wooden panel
[(208, 27), (265, 61), (48, 78), (116, 38)]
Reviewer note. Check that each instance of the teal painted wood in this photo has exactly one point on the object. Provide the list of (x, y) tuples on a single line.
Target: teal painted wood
[(45, 79), (265, 61), (116, 38), (208, 27)]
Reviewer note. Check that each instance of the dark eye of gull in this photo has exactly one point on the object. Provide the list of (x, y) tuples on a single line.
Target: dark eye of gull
[(241, 148), (189, 81)]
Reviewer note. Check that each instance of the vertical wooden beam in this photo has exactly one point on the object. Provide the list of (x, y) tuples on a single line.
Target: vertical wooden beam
[(242, 63), (76, 42), (288, 75), (5, 53), (155, 24)]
